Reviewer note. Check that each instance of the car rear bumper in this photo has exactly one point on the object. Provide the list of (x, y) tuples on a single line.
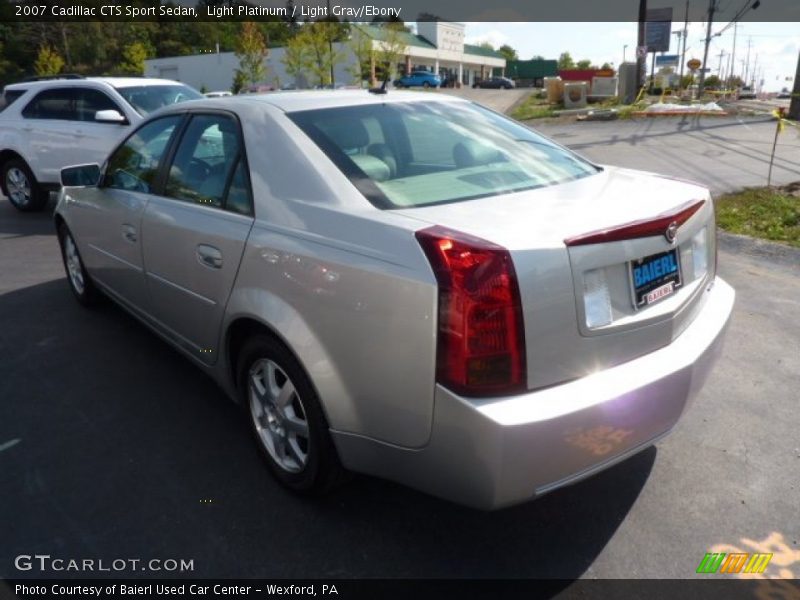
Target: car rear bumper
[(495, 452)]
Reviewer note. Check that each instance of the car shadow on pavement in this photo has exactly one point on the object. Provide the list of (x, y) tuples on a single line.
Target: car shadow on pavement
[(14, 223), (121, 448)]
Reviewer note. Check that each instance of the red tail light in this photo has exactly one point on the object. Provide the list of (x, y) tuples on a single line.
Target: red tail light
[(481, 343)]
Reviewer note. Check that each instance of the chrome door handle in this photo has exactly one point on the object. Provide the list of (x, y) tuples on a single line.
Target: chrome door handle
[(209, 256), (129, 233)]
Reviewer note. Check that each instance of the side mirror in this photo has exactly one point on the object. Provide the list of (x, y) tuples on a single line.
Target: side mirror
[(110, 116), (81, 175)]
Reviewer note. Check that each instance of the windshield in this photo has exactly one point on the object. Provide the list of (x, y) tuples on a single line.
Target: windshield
[(420, 153), (147, 98)]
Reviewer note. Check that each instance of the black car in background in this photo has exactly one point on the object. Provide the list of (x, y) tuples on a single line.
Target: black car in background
[(495, 83)]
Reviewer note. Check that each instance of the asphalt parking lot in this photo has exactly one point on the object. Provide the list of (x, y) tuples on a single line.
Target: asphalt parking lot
[(114, 446)]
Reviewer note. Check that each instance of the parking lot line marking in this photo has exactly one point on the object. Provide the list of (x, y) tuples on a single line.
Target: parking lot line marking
[(9, 444)]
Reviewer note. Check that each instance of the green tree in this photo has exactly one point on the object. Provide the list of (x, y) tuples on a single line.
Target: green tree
[(486, 46), (711, 82), (565, 61), (583, 64), (251, 52), (294, 57), (239, 81), (606, 66), (508, 52), (391, 47), (538, 57), (48, 62), (364, 52), (133, 57)]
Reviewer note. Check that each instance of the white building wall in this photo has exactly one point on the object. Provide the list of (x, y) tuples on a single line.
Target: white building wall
[(215, 71)]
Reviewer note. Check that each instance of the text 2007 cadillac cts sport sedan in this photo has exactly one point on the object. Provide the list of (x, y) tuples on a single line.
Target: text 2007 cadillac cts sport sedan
[(405, 285)]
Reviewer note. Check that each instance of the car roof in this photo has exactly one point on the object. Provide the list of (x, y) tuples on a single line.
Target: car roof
[(317, 99), (117, 82)]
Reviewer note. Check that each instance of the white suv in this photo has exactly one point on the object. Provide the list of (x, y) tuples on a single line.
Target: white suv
[(49, 124)]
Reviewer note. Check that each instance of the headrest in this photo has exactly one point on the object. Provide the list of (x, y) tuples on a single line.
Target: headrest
[(347, 133), (373, 167)]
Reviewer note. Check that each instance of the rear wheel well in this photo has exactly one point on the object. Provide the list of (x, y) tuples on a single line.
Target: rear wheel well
[(238, 333)]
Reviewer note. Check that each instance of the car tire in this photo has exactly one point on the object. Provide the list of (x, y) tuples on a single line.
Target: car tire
[(21, 187), (286, 417), (398, 85), (77, 278), (426, 84)]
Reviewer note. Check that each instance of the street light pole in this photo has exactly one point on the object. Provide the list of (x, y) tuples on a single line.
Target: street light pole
[(625, 47)]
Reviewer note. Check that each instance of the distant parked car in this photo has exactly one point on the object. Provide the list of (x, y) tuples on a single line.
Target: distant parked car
[(747, 93), (784, 93), (49, 123), (424, 79), (218, 94), (495, 83), (257, 89)]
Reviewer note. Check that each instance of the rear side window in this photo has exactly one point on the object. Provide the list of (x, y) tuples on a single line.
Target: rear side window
[(134, 165), (53, 104), (9, 97)]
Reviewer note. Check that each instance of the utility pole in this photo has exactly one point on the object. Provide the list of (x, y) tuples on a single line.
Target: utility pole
[(733, 55), (712, 6), (685, 33), (330, 41), (746, 77), (640, 60), (794, 105), (719, 68), (755, 70)]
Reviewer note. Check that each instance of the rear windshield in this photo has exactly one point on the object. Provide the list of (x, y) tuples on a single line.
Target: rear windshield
[(409, 154), (8, 98), (148, 98)]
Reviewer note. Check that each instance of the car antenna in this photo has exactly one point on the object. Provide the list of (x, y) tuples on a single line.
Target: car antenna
[(382, 89)]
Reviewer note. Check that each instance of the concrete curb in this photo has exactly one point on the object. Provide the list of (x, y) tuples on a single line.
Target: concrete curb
[(741, 244)]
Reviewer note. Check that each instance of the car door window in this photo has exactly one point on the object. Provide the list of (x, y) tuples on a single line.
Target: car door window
[(207, 166), (89, 102), (53, 104), (134, 165)]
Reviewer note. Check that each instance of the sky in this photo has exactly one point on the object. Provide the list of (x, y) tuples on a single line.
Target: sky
[(775, 46)]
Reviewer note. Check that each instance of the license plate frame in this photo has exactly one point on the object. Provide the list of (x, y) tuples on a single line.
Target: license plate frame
[(658, 285)]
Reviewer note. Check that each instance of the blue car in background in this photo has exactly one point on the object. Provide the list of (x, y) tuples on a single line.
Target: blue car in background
[(424, 79)]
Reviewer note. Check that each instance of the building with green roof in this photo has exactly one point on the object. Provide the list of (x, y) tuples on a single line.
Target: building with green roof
[(438, 46)]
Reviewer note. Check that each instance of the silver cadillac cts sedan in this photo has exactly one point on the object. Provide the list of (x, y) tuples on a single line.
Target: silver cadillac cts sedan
[(407, 285)]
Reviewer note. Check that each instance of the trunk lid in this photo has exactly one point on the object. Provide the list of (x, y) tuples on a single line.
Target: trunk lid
[(578, 300)]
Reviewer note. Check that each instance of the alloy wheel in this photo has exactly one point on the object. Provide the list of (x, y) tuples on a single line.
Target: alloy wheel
[(279, 415), (74, 266), (18, 186)]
